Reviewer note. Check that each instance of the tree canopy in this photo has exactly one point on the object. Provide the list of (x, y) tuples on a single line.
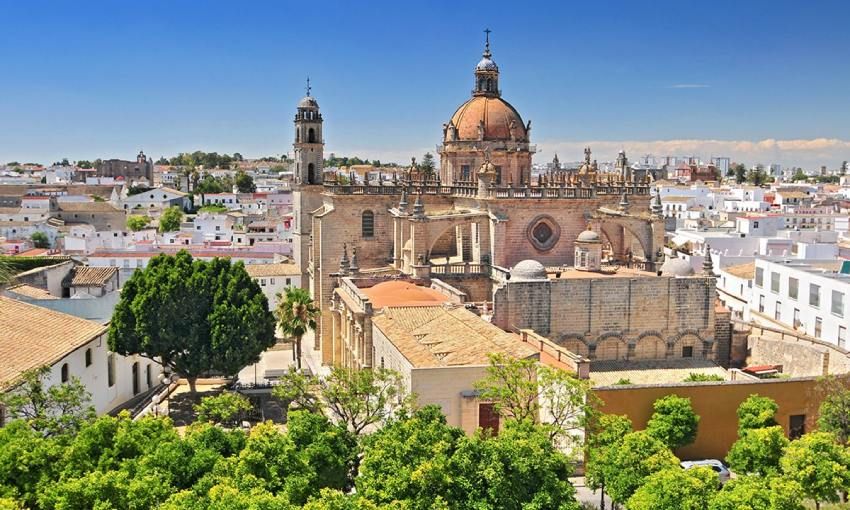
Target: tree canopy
[(674, 422), (40, 240), (136, 222), (756, 412), (296, 314), (192, 315), (819, 464), (676, 489), (170, 219)]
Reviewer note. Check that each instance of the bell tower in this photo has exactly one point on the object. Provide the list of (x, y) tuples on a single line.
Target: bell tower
[(309, 144), (307, 189)]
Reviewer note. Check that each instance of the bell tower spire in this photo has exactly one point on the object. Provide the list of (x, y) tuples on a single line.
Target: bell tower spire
[(486, 72), (309, 144)]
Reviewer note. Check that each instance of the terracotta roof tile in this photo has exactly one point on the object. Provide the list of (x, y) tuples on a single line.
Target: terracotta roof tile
[(87, 276), (276, 269), (33, 336), (440, 336)]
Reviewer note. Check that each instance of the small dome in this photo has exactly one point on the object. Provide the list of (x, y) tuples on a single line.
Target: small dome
[(528, 270), (588, 236), (676, 267), (486, 64), (308, 102)]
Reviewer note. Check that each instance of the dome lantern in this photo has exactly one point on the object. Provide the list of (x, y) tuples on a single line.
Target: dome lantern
[(486, 73)]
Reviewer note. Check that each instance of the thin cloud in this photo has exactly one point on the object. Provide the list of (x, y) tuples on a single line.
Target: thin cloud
[(689, 86)]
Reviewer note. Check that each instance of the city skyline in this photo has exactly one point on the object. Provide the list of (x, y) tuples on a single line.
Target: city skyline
[(107, 80)]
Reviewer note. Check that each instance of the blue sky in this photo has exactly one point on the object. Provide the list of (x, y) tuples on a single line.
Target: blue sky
[(758, 80)]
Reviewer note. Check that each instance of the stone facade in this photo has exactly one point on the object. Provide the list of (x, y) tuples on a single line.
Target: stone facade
[(481, 212), (615, 318)]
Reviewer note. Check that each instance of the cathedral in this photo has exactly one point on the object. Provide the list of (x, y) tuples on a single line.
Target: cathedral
[(473, 222)]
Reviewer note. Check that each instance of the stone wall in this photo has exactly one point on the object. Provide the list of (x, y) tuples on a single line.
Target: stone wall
[(615, 318), (798, 358)]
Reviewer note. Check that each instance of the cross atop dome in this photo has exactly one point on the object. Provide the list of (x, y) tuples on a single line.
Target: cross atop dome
[(308, 86), (487, 53)]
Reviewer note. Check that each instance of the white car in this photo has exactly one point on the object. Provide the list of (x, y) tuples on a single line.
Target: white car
[(717, 466)]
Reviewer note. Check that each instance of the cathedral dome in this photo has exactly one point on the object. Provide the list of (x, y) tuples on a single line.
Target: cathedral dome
[(497, 115), (528, 270), (676, 267)]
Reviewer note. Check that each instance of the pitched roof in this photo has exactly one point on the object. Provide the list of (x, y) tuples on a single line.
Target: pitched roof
[(30, 291), (87, 276), (276, 269), (34, 336), (439, 336)]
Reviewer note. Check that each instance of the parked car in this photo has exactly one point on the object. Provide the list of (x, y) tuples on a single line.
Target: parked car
[(717, 466)]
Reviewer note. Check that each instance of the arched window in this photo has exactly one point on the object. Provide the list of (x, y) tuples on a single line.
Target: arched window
[(489, 85), (297, 135), (311, 136), (311, 170), (65, 373), (367, 224), (88, 357)]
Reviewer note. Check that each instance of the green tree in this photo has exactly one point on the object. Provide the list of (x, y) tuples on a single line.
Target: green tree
[(676, 489), (170, 219), (84, 163), (521, 388), (758, 493), (299, 391), (238, 157), (27, 457), (408, 461), (756, 412), (296, 314), (56, 409), (757, 176), (834, 414), (740, 173), (329, 449), (330, 499), (194, 316), (245, 183), (674, 422), (819, 464), (799, 175), (629, 462), (223, 409), (360, 399), (427, 165), (40, 240), (843, 170), (604, 431), (136, 222), (518, 468), (758, 451)]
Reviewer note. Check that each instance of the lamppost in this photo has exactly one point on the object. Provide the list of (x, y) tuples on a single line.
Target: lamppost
[(166, 378)]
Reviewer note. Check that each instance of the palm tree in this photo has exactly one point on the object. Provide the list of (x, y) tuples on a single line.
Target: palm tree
[(296, 314)]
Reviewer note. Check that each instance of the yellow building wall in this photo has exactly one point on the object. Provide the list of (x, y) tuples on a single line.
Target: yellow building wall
[(716, 405)]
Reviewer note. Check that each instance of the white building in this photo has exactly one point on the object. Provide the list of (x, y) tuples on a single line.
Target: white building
[(810, 296), (72, 347), (275, 278), (157, 198)]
